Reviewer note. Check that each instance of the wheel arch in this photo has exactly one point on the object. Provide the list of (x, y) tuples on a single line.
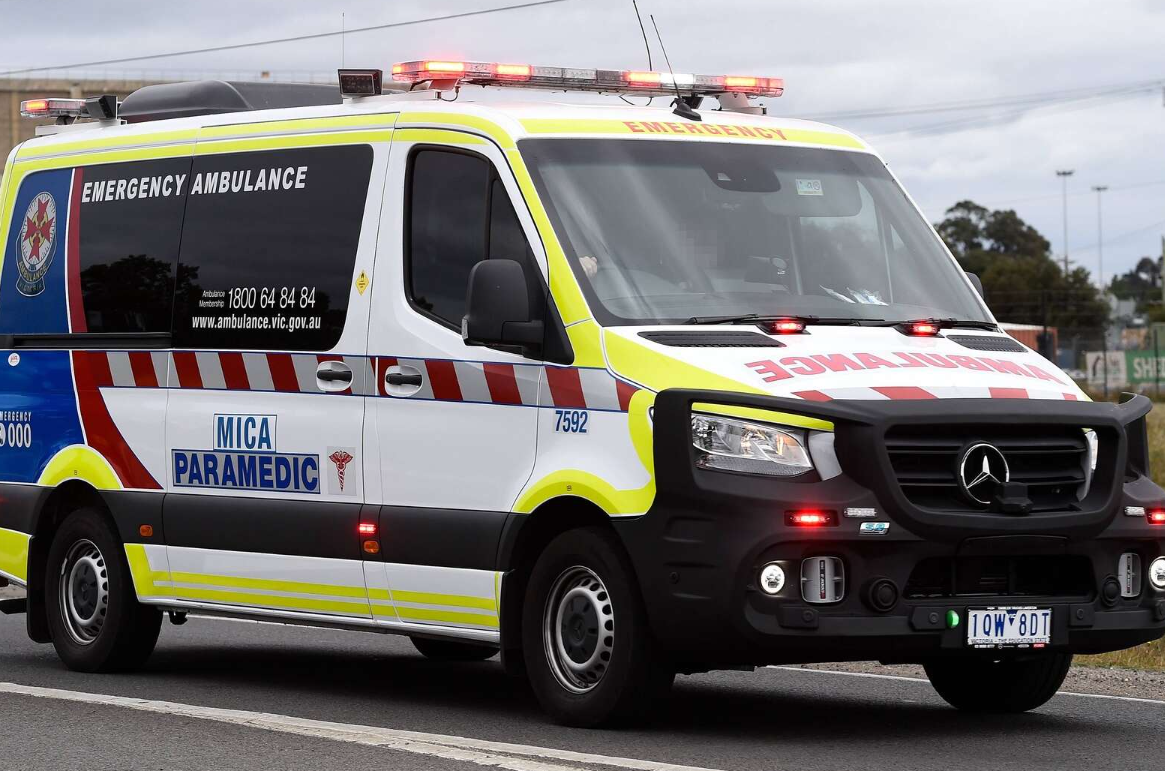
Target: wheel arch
[(524, 537), (64, 499)]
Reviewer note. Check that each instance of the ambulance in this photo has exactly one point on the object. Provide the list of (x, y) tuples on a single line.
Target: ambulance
[(616, 391)]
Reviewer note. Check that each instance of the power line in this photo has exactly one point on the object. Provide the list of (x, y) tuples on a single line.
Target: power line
[(1066, 105), (1002, 101), (996, 204), (295, 39)]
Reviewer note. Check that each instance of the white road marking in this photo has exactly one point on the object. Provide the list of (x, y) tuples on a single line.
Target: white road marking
[(515, 757), (924, 680)]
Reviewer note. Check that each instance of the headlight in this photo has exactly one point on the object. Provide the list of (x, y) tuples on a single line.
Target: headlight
[(727, 444)]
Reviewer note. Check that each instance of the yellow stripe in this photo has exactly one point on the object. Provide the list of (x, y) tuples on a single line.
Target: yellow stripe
[(236, 582), (79, 461), (582, 484), (591, 126), (482, 125), (448, 617), (107, 143), (385, 120), (767, 416), (14, 553), (144, 577), (452, 600), (216, 147), (272, 601), (442, 136)]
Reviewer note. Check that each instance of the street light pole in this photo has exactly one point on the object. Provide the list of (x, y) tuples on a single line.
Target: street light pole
[(1063, 175), (1100, 234)]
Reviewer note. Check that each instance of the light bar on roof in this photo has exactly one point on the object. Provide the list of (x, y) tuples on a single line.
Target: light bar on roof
[(575, 79), (53, 108)]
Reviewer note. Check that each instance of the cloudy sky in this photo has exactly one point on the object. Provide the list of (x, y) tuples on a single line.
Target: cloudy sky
[(1077, 85)]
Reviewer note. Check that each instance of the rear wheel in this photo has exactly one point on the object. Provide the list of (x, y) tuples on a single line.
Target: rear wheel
[(96, 622), (982, 685), (588, 650), (452, 650)]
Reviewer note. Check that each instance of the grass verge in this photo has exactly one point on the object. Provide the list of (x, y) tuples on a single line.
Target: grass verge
[(1151, 655)]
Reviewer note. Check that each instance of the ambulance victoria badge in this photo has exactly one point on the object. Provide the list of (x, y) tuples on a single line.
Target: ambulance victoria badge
[(38, 243)]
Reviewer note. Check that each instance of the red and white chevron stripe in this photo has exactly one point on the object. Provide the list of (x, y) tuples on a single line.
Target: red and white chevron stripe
[(441, 379)]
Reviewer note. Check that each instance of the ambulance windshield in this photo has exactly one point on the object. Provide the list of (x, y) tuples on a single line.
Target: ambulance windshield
[(662, 231)]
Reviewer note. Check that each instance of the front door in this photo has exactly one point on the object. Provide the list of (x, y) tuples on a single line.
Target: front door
[(456, 425)]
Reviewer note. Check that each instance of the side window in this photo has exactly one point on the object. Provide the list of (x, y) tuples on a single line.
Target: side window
[(269, 247), (129, 228), (458, 215), (93, 249)]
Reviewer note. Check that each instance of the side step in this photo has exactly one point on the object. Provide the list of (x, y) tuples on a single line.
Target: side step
[(14, 606)]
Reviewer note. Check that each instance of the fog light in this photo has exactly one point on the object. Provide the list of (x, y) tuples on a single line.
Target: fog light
[(822, 580), (1134, 511), (1129, 573), (1157, 573), (772, 579)]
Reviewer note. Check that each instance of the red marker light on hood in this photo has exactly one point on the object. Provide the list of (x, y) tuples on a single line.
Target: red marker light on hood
[(922, 328), (786, 327)]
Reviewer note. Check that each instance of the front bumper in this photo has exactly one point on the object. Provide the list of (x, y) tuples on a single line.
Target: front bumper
[(698, 551)]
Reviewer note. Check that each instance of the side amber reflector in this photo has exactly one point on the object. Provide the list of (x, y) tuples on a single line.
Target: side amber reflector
[(372, 547), (146, 531)]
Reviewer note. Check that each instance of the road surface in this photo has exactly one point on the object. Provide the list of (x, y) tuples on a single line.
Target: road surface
[(224, 694)]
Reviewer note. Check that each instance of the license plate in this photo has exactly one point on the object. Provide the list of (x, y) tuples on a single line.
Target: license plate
[(1009, 627)]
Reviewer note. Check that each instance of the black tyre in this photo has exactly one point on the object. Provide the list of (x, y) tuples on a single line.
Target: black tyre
[(588, 650), (452, 650), (1015, 685), (96, 622)]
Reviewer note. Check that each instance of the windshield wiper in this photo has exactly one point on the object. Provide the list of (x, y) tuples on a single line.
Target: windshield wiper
[(750, 318)]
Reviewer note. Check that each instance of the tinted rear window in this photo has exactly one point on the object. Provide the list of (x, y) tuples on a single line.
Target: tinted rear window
[(268, 248)]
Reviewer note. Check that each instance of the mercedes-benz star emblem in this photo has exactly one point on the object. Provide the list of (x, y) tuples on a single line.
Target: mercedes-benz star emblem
[(982, 471)]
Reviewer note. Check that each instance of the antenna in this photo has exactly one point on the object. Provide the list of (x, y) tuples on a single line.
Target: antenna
[(644, 33), (343, 37), (682, 108)]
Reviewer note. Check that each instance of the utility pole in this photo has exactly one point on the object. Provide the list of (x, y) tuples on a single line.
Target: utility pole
[(1063, 175), (1100, 235)]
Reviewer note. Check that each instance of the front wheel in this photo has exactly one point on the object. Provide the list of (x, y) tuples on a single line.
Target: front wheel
[(95, 620), (585, 639), (1008, 686)]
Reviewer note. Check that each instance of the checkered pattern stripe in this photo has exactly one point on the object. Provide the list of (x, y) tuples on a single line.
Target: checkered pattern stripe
[(441, 380), (942, 392)]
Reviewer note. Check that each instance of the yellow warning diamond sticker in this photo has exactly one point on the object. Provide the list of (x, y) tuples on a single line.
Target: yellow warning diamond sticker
[(362, 282)]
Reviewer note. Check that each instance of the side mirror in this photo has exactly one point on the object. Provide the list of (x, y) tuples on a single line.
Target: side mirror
[(498, 307), (976, 282)]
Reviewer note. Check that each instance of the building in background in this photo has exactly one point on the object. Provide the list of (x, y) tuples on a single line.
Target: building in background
[(14, 129)]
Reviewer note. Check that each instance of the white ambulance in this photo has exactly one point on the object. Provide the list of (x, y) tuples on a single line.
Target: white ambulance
[(619, 392)]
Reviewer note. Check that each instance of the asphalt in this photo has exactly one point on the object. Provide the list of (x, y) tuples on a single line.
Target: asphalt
[(768, 719)]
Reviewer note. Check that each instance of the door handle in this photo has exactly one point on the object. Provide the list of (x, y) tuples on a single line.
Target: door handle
[(401, 379), (333, 376)]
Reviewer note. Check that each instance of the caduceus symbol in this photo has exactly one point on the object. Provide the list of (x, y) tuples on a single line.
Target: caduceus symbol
[(341, 459)]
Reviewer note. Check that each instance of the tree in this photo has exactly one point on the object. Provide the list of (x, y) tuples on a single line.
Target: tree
[(1021, 282), (1142, 283)]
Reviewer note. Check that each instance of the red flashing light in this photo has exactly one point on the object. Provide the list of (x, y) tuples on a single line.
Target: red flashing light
[(1156, 516), (787, 327), (922, 329), (809, 518), (366, 528)]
